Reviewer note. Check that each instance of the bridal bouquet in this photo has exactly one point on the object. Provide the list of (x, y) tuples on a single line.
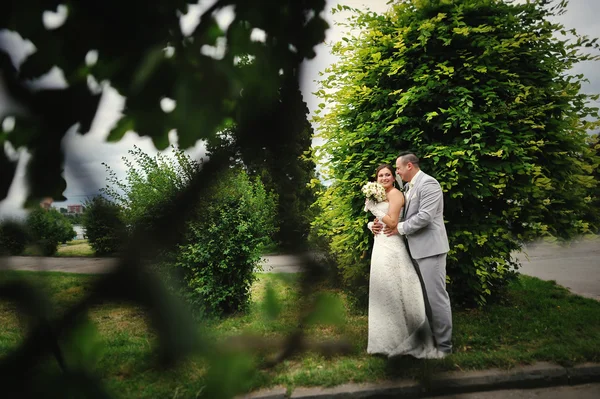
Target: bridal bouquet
[(374, 191)]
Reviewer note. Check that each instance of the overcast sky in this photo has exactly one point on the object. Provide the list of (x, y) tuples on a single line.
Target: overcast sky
[(84, 172)]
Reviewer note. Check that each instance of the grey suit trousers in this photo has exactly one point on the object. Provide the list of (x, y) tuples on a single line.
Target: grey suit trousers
[(433, 274)]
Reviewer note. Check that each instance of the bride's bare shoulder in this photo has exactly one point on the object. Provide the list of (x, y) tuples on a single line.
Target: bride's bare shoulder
[(396, 196), (395, 193)]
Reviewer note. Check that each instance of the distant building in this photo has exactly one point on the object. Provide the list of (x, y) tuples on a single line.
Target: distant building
[(75, 209)]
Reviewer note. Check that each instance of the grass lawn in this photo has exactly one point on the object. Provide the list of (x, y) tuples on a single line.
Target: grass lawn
[(71, 248), (75, 248), (540, 321)]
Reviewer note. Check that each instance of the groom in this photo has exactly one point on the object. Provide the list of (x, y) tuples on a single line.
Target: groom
[(423, 226)]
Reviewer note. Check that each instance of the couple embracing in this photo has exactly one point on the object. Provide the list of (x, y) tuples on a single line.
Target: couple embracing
[(409, 307)]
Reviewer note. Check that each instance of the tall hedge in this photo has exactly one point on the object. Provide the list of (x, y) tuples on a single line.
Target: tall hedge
[(482, 91)]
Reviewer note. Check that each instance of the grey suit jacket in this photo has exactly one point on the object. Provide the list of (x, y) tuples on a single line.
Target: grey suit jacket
[(424, 218)]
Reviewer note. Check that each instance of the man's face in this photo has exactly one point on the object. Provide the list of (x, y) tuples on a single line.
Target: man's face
[(401, 169)]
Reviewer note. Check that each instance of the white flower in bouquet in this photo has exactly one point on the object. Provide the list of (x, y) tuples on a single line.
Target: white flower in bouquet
[(374, 191)]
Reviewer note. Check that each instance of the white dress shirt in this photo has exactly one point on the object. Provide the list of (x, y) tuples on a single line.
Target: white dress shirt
[(411, 184)]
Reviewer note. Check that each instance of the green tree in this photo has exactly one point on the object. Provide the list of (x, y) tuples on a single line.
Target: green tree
[(223, 247), (76, 218), (223, 241), (148, 182), (482, 91), (48, 228), (282, 164), (104, 226)]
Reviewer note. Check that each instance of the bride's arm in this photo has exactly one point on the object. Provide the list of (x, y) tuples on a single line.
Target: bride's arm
[(396, 200)]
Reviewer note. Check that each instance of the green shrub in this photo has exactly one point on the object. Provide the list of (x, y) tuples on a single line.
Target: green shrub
[(48, 228), (104, 226), (224, 244), (212, 267), (282, 164), (13, 237), (148, 182)]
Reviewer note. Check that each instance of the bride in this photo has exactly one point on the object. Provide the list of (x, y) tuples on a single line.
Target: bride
[(398, 324)]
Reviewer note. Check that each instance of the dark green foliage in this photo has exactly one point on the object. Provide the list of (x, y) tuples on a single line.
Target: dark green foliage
[(8, 168), (282, 164), (48, 228), (140, 69), (13, 237), (224, 242), (76, 218), (103, 222), (594, 210), (482, 91), (130, 39)]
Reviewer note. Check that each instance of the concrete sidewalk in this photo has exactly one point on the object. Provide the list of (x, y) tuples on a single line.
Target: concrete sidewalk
[(525, 377)]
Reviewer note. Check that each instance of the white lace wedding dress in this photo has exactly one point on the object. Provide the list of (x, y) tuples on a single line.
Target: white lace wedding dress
[(397, 321)]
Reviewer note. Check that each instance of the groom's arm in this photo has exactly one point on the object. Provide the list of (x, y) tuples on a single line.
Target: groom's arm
[(431, 195)]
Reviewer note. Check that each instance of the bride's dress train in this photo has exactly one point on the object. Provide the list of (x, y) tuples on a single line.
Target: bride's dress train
[(398, 324)]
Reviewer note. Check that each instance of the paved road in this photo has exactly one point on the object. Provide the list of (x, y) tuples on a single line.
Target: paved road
[(271, 264), (585, 391), (575, 266), (70, 264)]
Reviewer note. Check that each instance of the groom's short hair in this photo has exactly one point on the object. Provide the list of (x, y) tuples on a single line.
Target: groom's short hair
[(409, 157)]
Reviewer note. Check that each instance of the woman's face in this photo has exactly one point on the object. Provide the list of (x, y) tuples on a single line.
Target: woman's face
[(386, 178)]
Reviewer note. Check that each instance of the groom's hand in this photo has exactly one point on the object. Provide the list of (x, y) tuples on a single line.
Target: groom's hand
[(390, 232), (377, 226)]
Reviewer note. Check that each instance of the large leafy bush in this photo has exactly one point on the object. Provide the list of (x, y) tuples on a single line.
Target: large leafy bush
[(281, 164), (482, 91), (148, 182), (224, 244), (47, 229), (213, 266), (104, 226)]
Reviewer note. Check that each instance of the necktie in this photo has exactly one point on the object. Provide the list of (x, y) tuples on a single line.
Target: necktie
[(406, 188)]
